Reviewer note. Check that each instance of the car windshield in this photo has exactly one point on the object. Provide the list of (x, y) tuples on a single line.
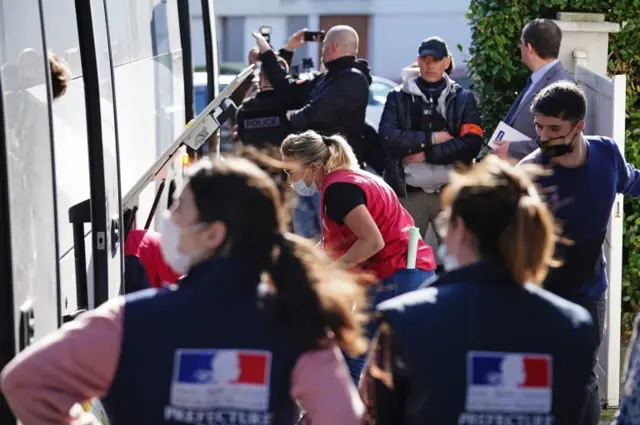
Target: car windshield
[(379, 92)]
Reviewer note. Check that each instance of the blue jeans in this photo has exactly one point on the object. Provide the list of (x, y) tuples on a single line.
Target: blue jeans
[(400, 282), (306, 216), (598, 311)]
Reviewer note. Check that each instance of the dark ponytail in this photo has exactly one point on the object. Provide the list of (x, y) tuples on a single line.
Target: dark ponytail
[(311, 296), (315, 298)]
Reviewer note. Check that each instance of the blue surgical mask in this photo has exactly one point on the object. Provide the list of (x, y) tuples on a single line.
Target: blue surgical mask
[(301, 188), (449, 262)]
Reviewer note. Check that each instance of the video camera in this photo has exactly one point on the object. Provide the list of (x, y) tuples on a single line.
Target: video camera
[(307, 66)]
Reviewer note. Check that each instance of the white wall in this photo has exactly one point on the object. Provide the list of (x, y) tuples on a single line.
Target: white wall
[(395, 38), (396, 27), (326, 7), (197, 42)]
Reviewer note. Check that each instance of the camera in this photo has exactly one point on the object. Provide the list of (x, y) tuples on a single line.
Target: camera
[(265, 31), (307, 63)]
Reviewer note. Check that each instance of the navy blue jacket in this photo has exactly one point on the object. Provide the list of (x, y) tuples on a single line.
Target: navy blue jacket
[(581, 200), (205, 353), (475, 347)]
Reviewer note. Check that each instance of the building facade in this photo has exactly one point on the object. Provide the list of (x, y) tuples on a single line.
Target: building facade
[(390, 30)]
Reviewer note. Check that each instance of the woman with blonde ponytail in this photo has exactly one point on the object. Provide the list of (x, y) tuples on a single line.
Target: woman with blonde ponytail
[(484, 343), (363, 223)]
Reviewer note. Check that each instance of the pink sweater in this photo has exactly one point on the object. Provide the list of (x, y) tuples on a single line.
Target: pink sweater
[(78, 362)]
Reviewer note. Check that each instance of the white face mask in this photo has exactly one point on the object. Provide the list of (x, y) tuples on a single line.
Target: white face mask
[(179, 261), (301, 188), (449, 262)]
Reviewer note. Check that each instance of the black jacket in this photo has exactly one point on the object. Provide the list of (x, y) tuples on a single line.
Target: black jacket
[(262, 120), (333, 102), (403, 136), (473, 345)]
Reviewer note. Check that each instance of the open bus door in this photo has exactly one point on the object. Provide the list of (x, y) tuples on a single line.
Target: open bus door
[(29, 274), (206, 37), (104, 209), (195, 135)]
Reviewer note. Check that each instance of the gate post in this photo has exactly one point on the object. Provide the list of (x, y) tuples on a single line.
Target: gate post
[(585, 40)]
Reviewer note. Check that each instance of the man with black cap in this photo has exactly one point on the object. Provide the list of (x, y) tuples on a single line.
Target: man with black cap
[(428, 124)]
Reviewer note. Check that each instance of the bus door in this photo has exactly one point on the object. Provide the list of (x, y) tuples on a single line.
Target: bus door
[(211, 49), (193, 38), (29, 275), (102, 137), (184, 19)]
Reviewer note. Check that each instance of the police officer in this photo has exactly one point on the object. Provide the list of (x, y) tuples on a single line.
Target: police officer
[(484, 344), (222, 347), (262, 119)]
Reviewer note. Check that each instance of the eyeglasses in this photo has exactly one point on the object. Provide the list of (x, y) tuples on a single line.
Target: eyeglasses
[(289, 171)]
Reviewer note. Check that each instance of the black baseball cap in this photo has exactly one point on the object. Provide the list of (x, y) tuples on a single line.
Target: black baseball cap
[(434, 46)]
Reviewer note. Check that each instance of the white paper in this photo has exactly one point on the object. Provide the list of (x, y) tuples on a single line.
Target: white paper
[(508, 133)]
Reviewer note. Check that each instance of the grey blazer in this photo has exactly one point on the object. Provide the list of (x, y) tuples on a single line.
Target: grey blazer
[(522, 119)]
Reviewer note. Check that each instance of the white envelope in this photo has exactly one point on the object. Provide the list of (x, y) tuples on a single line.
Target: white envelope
[(505, 132)]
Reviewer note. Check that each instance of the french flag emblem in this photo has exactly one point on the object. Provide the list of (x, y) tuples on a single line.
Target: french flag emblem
[(221, 379), (509, 382)]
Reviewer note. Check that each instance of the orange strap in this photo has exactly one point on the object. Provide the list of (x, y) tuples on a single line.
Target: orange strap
[(471, 128)]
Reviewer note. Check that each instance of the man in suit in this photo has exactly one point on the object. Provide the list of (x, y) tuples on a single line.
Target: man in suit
[(539, 49)]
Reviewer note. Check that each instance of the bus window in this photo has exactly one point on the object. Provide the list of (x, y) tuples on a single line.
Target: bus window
[(28, 254)]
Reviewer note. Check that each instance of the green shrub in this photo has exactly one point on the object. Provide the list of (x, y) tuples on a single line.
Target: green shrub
[(498, 75)]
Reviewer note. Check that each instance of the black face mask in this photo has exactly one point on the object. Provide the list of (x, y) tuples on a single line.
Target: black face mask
[(555, 147)]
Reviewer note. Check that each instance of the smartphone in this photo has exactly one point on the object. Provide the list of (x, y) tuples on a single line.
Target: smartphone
[(314, 36)]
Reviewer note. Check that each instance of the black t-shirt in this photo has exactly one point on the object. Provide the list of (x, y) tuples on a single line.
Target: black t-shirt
[(135, 275), (341, 198)]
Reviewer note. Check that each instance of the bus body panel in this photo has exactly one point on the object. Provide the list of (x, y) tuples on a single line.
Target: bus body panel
[(138, 52)]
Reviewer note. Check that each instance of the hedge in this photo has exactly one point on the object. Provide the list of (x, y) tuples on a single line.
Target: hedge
[(498, 75)]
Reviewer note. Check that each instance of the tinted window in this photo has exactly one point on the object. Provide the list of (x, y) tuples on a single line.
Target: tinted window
[(31, 182), (200, 99)]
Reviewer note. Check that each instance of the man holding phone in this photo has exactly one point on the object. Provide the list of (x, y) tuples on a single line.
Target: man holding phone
[(332, 102)]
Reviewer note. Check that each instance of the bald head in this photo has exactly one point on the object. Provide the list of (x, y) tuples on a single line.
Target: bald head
[(341, 40)]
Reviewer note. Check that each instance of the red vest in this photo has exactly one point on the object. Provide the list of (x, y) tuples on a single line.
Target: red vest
[(390, 216)]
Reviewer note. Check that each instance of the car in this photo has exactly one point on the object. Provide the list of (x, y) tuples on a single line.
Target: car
[(378, 91), (200, 102), (200, 88)]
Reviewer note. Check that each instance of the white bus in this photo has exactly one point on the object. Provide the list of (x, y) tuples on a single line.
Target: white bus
[(66, 165)]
